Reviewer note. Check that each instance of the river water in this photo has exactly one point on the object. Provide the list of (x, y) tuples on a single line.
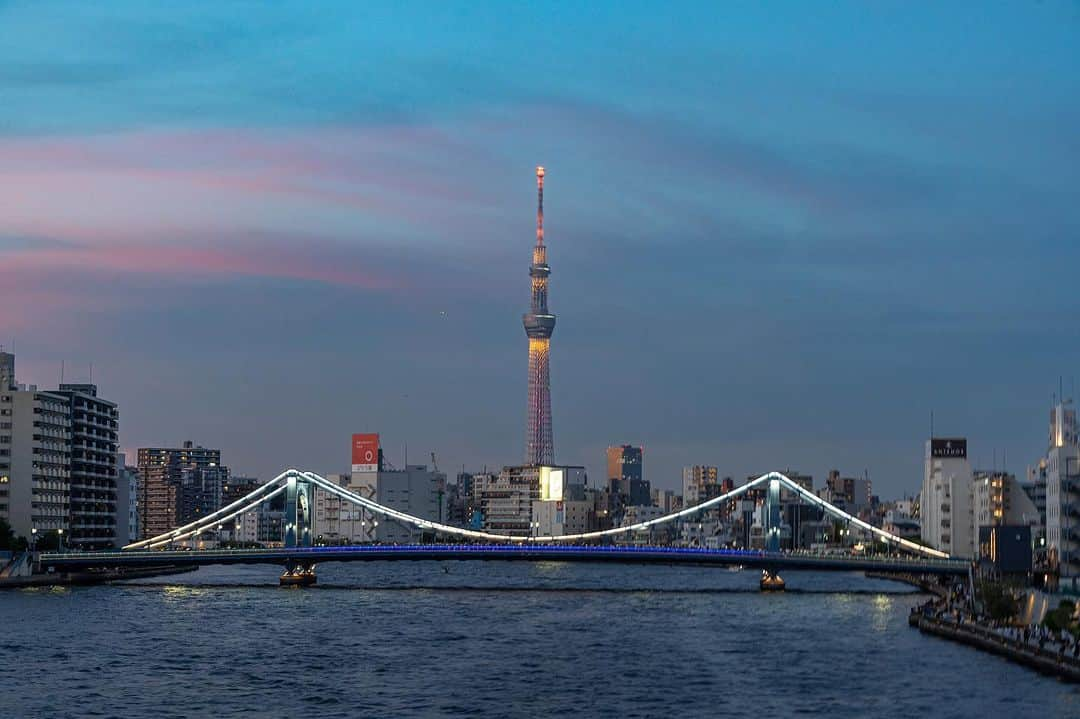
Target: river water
[(498, 640)]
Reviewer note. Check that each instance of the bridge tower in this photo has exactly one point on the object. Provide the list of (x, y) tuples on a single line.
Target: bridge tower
[(296, 529), (772, 516), (770, 578)]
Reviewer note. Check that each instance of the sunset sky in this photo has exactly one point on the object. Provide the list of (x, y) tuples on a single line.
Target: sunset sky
[(779, 237)]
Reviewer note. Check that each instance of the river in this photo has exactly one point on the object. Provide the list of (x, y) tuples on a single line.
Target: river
[(498, 640)]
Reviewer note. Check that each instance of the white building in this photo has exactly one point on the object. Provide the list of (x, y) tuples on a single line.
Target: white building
[(552, 518), (338, 521), (1061, 470), (127, 502), (415, 490), (998, 499), (35, 456), (636, 514), (945, 510), (506, 500), (694, 482)]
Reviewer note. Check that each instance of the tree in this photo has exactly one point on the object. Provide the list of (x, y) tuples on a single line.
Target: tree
[(48, 542), (7, 536), (1060, 618), (998, 602)]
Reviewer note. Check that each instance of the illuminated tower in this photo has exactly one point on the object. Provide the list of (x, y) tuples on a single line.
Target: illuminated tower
[(539, 324)]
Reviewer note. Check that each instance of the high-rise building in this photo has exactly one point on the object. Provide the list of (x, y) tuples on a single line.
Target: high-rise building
[(7, 371), (1060, 470), (945, 501), (625, 470), (95, 521), (35, 456), (74, 460), (127, 502), (202, 490), (848, 493), (170, 483), (697, 482), (998, 500), (539, 324), (459, 500), (506, 500)]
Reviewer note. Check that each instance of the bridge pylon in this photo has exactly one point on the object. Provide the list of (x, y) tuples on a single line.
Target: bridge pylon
[(770, 577), (299, 509)]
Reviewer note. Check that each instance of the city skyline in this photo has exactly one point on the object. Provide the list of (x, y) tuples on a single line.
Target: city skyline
[(765, 261)]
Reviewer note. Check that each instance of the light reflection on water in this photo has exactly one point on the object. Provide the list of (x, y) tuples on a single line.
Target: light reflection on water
[(428, 639)]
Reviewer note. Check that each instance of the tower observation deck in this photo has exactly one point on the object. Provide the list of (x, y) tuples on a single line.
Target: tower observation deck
[(539, 324)]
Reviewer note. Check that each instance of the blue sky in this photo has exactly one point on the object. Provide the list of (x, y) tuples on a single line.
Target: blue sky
[(781, 233)]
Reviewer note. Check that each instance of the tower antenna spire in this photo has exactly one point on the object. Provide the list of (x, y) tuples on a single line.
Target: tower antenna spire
[(539, 205)]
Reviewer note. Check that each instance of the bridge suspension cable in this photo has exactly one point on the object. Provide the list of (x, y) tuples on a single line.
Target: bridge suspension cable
[(248, 501), (277, 486)]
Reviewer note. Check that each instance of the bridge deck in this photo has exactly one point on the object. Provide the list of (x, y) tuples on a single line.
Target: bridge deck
[(511, 552)]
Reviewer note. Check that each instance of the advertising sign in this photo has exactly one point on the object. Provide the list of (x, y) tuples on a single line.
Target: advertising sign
[(955, 447), (551, 483), (365, 453)]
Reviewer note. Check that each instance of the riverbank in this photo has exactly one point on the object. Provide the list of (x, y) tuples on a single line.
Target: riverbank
[(1054, 663), (62, 579)]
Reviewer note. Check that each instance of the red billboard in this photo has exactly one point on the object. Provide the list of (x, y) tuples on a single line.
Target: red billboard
[(365, 453)]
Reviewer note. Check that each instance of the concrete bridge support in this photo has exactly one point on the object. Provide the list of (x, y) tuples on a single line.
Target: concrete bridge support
[(770, 577), (299, 515), (298, 574)]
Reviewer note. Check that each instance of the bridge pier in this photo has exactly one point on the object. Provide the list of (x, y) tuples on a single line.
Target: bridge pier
[(771, 581), (298, 574), (299, 502)]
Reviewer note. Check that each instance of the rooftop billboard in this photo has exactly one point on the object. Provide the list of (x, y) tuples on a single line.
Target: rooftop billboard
[(365, 453)]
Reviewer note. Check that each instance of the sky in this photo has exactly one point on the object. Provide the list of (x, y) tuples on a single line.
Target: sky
[(781, 234)]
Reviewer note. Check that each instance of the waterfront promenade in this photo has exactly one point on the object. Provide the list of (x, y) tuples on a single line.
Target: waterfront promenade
[(1034, 647)]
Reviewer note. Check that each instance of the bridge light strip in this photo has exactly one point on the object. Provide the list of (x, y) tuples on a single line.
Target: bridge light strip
[(262, 494), (784, 481), (219, 515), (865, 525), (172, 537)]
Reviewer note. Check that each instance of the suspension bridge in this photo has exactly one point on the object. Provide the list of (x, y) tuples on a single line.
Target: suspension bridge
[(299, 555)]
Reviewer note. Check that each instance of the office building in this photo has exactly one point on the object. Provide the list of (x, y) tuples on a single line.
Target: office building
[(945, 501), (625, 473)]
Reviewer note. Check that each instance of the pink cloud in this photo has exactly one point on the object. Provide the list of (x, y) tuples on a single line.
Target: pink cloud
[(385, 172), (255, 259)]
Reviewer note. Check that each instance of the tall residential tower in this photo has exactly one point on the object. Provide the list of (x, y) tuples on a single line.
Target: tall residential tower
[(539, 324)]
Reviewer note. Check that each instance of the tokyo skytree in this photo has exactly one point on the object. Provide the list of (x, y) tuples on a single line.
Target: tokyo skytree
[(539, 324)]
